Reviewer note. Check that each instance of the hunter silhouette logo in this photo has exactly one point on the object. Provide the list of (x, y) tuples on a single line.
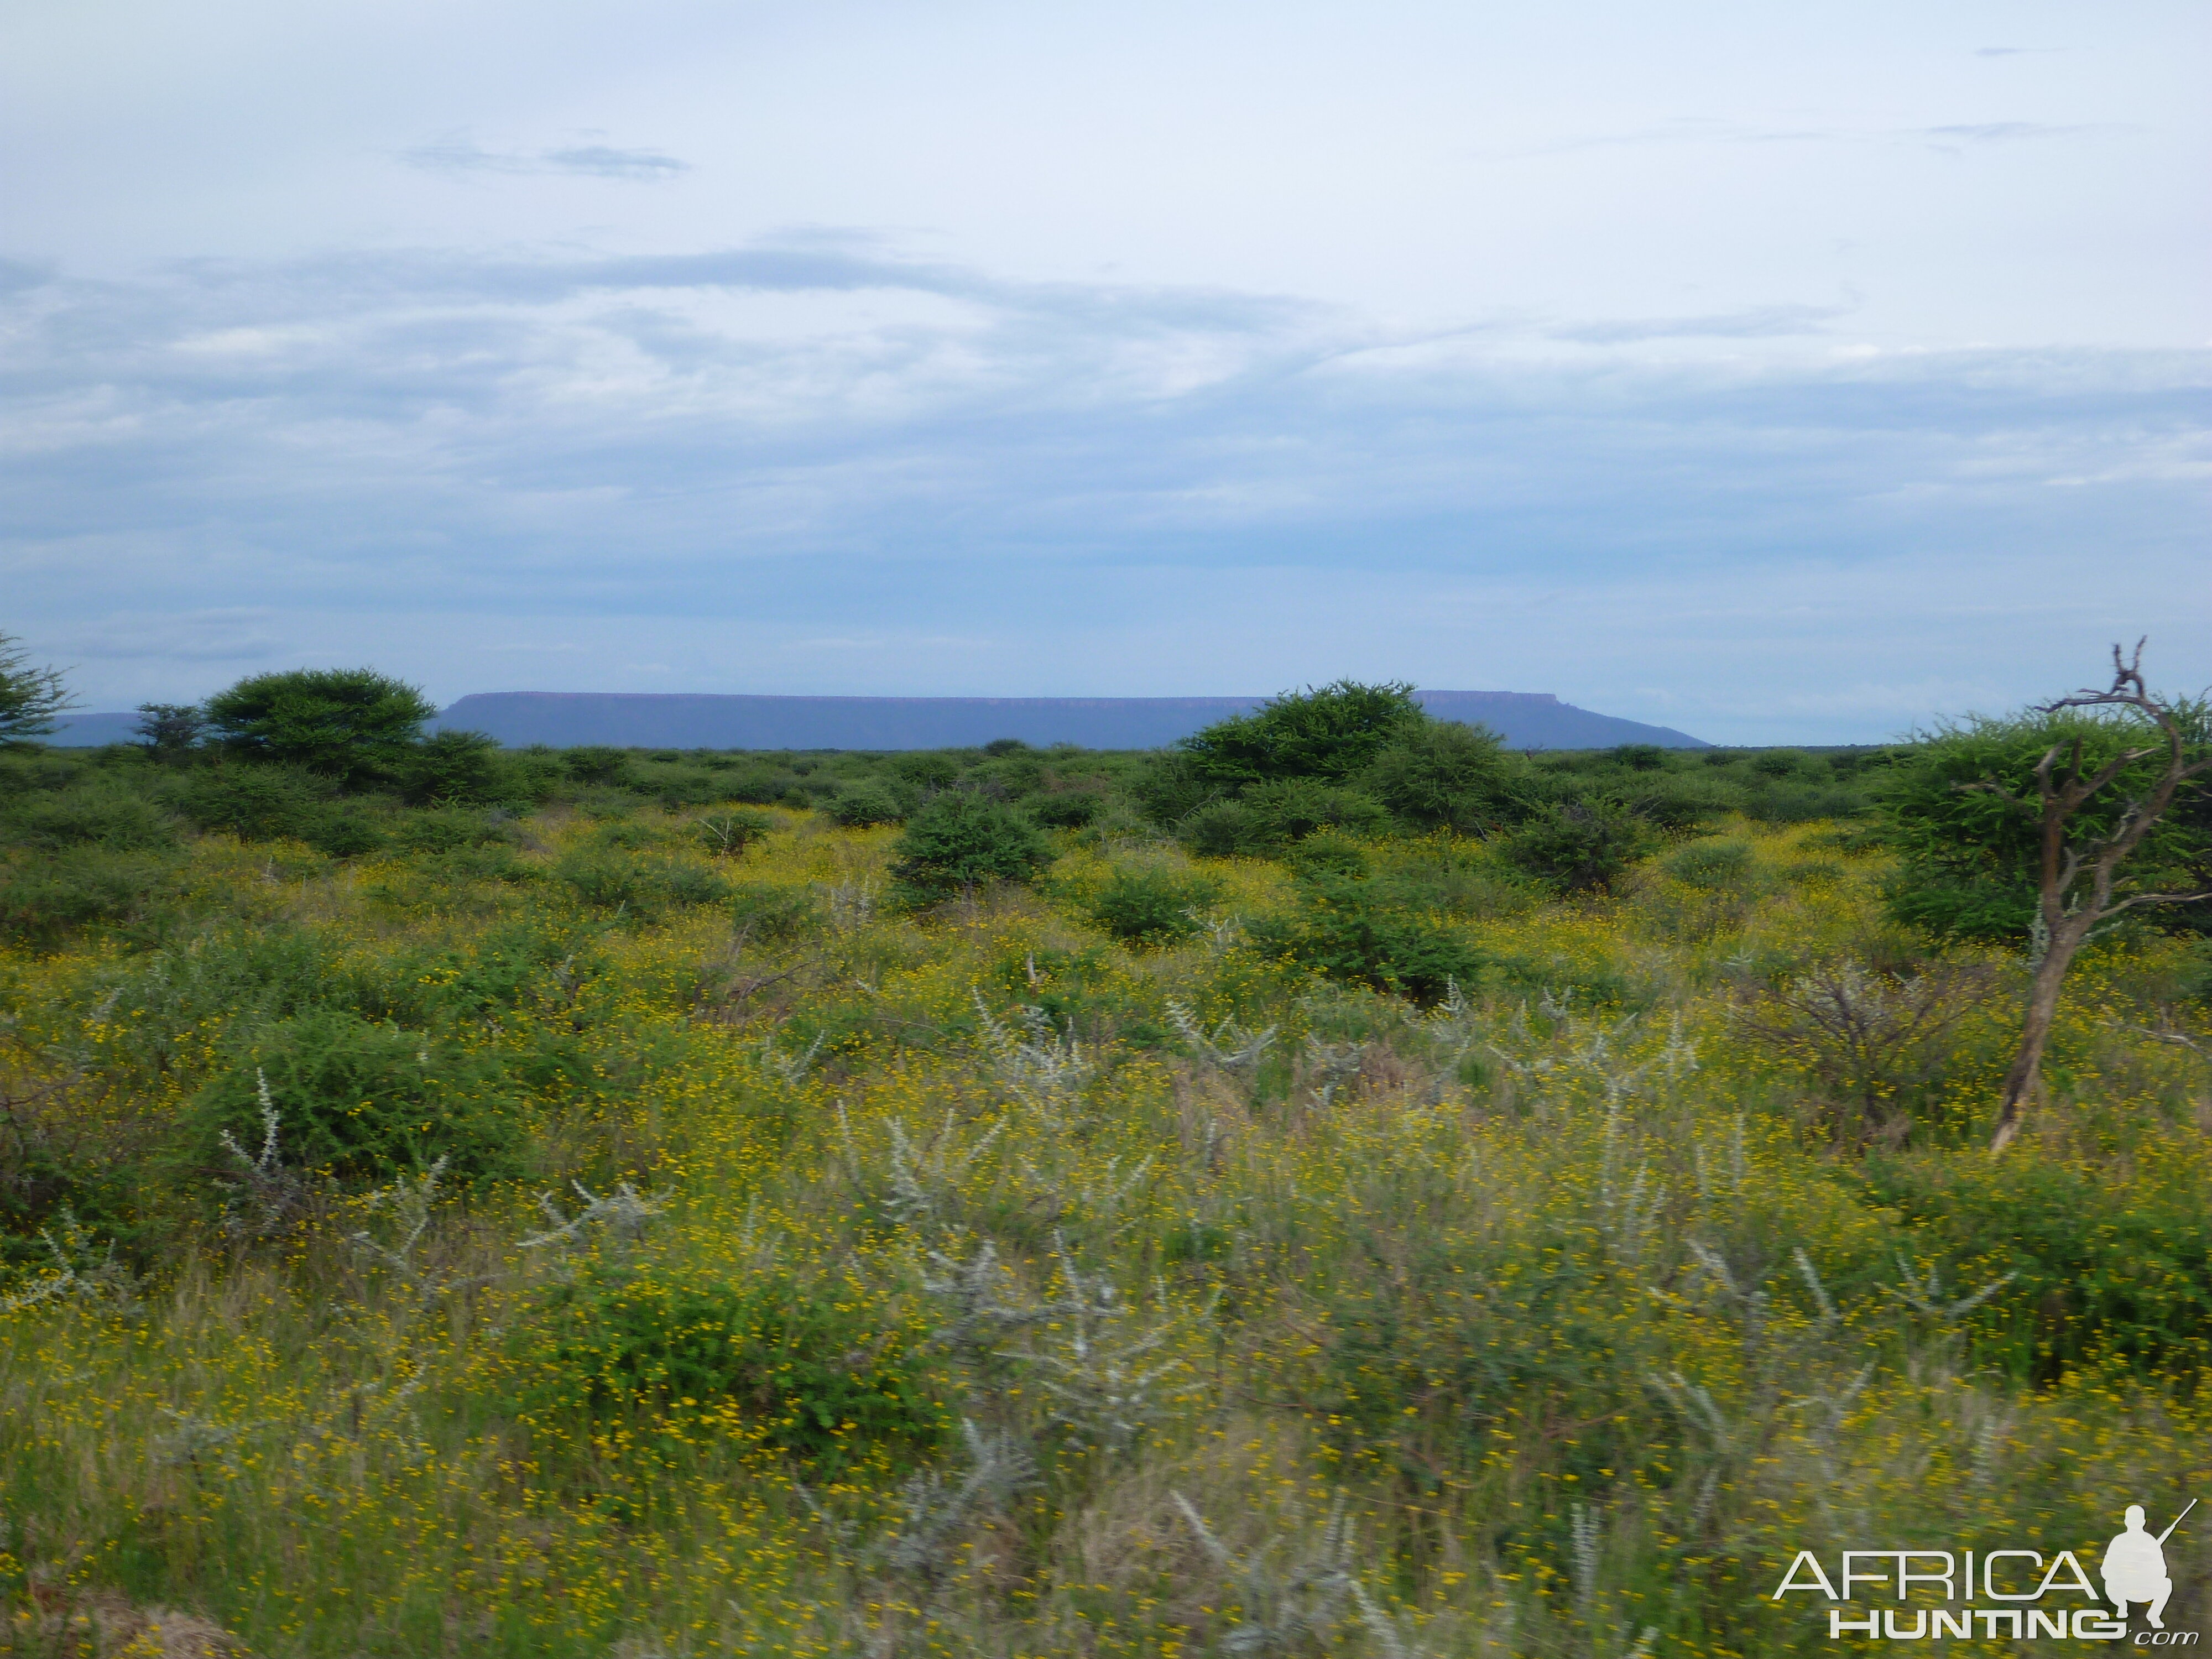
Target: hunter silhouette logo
[(2134, 1566), (2018, 1593)]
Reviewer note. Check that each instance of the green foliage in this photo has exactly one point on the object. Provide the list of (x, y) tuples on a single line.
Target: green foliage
[(1956, 810), (868, 803), (92, 814), (2108, 1273), (30, 698), (457, 768), (773, 913), (1152, 904), (642, 889), (1441, 775), (1366, 932), (958, 841), (1711, 864), (351, 723), (597, 763), (728, 834), (1067, 810), (254, 803), (170, 732), (359, 1101), (1580, 847), (1271, 817), (827, 1381), (44, 899), (450, 829), (1328, 733)]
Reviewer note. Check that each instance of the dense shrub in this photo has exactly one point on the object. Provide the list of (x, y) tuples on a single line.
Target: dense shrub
[(814, 1372), (1152, 905), (459, 768), (597, 763), (1363, 931), (728, 834), (359, 1101), (254, 803), (1441, 775), (958, 841), (350, 724), (1579, 845), (1330, 734), (1951, 808), (642, 888), (91, 814), (449, 829), (1068, 809), (45, 897), (769, 913), (1711, 864), (866, 804)]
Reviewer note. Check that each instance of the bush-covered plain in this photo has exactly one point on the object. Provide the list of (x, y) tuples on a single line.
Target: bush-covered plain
[(1337, 1189)]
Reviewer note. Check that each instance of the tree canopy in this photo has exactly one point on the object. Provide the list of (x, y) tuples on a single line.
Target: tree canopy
[(348, 723), (30, 697)]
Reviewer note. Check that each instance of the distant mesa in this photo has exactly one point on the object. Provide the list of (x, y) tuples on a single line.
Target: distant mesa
[(665, 720), (564, 719)]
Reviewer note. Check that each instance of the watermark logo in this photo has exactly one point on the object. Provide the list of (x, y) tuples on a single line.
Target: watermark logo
[(2028, 1591)]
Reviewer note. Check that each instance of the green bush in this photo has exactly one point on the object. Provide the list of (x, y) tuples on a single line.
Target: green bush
[(350, 724), (1328, 733), (830, 1383), (1711, 864), (773, 913), (1152, 905), (1223, 829), (959, 839), (643, 888), (1579, 845), (597, 763), (254, 803), (1441, 775), (45, 897), (97, 815), (728, 834), (1067, 810), (1363, 931), (449, 829), (359, 1101), (1291, 809), (865, 804), (459, 768)]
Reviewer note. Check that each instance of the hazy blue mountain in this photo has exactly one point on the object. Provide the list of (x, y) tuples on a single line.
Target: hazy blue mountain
[(666, 720), (91, 730)]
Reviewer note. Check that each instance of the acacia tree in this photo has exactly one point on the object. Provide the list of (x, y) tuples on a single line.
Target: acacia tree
[(30, 697), (2081, 842)]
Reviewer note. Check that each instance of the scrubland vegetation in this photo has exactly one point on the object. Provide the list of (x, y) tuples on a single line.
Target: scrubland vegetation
[(1335, 1188)]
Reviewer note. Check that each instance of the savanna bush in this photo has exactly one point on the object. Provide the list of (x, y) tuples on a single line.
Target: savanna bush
[(359, 1101), (642, 888), (958, 841), (45, 897), (92, 814), (1152, 904), (1363, 931), (1441, 775), (821, 1373), (352, 725), (773, 913), (1581, 846), (1720, 863), (865, 803)]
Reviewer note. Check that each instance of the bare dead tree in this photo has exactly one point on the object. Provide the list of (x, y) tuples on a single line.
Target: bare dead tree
[(2075, 876)]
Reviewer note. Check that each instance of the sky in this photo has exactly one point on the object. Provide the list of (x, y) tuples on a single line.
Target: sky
[(1782, 375)]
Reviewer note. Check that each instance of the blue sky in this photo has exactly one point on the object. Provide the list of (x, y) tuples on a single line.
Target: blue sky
[(1784, 374)]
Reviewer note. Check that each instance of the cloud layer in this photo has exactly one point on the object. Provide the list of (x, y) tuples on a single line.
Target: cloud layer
[(818, 466)]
